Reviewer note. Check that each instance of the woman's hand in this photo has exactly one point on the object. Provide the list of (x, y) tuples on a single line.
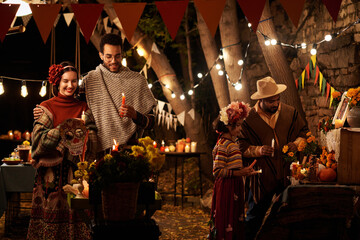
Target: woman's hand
[(246, 171), (37, 111)]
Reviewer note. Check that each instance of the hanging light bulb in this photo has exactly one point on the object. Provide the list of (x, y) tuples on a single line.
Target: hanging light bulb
[(182, 97), (24, 8), (249, 25), (140, 52), (267, 42), (238, 86), (150, 85), (173, 95), (303, 45), (240, 62), (190, 92), (167, 86), (199, 75), (313, 51), (328, 38), (1, 87), (218, 66), (221, 72), (24, 91), (42, 92), (273, 42), (124, 62)]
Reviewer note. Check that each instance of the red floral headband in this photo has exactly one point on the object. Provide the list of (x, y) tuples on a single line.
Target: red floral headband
[(55, 72), (234, 112)]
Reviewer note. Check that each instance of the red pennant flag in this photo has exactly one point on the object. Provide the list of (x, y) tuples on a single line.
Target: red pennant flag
[(327, 90), (129, 15), (45, 16), (211, 11), (172, 13), (87, 16), (293, 9), (252, 10), (333, 6), (316, 75), (7, 15), (297, 83), (307, 71)]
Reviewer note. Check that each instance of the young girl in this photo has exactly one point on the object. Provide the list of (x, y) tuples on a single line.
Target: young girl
[(51, 217), (227, 213)]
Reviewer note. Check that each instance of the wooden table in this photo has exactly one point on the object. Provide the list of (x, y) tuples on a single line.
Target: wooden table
[(182, 156)]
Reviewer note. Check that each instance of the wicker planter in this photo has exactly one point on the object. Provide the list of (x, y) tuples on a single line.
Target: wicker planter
[(119, 201)]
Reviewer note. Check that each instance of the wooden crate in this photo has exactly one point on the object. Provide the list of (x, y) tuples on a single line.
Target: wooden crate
[(349, 159)]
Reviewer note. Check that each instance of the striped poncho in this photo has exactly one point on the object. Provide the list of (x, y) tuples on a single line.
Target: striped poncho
[(104, 97), (226, 157)]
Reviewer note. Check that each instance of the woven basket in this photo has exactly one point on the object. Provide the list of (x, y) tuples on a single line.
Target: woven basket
[(119, 201)]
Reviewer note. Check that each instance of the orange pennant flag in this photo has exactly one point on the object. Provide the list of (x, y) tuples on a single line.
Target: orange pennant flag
[(45, 16), (293, 9), (333, 7), (252, 10), (172, 12), (328, 87), (316, 74), (129, 15), (211, 11), (87, 16), (7, 15), (297, 83), (307, 71)]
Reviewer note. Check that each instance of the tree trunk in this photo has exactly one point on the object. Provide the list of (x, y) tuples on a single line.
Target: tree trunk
[(277, 63), (230, 34), (166, 74), (211, 53)]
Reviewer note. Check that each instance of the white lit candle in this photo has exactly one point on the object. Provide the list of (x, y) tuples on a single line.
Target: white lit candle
[(27, 136), (193, 146), (167, 149), (83, 116), (187, 148), (273, 145)]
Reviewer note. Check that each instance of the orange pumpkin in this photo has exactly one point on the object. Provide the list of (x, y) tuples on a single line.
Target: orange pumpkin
[(327, 175)]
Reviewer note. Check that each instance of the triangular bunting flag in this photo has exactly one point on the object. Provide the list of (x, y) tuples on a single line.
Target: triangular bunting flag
[(313, 59), (169, 107), (117, 22), (252, 10), (168, 122), (148, 61), (45, 16), (154, 48), (68, 18), (181, 117), (293, 9), (300, 83), (161, 105), (144, 70), (333, 6), (57, 20), (331, 96), (327, 90), (7, 15), (307, 71), (106, 27), (192, 114), (159, 118), (320, 81), (171, 117), (323, 86), (164, 114), (26, 19), (211, 11), (87, 16), (303, 79), (316, 74), (172, 13), (297, 83), (129, 15)]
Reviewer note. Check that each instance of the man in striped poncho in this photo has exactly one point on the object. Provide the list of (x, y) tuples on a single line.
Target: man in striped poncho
[(105, 87), (269, 126)]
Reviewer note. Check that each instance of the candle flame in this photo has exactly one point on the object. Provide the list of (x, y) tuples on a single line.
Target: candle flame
[(114, 141)]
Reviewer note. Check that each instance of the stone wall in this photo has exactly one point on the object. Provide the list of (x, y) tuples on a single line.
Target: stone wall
[(338, 60)]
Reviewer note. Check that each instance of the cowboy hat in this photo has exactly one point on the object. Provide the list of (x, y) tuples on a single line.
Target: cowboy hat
[(267, 87)]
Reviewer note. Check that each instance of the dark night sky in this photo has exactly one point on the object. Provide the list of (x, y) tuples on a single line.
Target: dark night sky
[(25, 56)]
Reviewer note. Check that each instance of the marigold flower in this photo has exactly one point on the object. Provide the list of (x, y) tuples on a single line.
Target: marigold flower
[(285, 149), (82, 165), (291, 154), (308, 134)]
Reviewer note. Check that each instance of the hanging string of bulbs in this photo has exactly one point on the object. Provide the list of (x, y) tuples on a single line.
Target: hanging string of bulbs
[(23, 90)]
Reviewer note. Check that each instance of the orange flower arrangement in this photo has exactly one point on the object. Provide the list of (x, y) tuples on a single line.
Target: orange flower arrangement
[(354, 95), (327, 159), (336, 95)]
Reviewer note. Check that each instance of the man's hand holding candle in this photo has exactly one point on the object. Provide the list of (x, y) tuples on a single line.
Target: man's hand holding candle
[(127, 111)]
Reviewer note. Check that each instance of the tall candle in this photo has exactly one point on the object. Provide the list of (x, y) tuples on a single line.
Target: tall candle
[(155, 144), (193, 146), (187, 148), (123, 99), (83, 116), (273, 145), (27, 136)]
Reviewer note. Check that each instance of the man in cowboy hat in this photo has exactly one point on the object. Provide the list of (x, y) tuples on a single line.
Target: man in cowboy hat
[(269, 126)]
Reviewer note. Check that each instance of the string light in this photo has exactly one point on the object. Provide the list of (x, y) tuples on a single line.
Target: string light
[(238, 86), (199, 75), (24, 91), (218, 66), (167, 86), (182, 97), (150, 85), (273, 42), (42, 92), (1, 87), (221, 72), (124, 62), (173, 95), (190, 92), (140, 52), (240, 62), (313, 51), (328, 38)]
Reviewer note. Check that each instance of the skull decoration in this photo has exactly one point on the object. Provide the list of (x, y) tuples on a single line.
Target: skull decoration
[(72, 133)]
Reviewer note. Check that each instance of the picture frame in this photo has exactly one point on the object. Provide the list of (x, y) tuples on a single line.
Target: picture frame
[(341, 111)]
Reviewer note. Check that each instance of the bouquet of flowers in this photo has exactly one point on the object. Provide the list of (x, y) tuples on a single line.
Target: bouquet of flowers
[(336, 95), (289, 156), (326, 125), (354, 97), (299, 171), (311, 145), (327, 159)]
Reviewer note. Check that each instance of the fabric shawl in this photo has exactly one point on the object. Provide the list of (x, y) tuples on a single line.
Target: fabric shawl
[(104, 97), (256, 132)]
